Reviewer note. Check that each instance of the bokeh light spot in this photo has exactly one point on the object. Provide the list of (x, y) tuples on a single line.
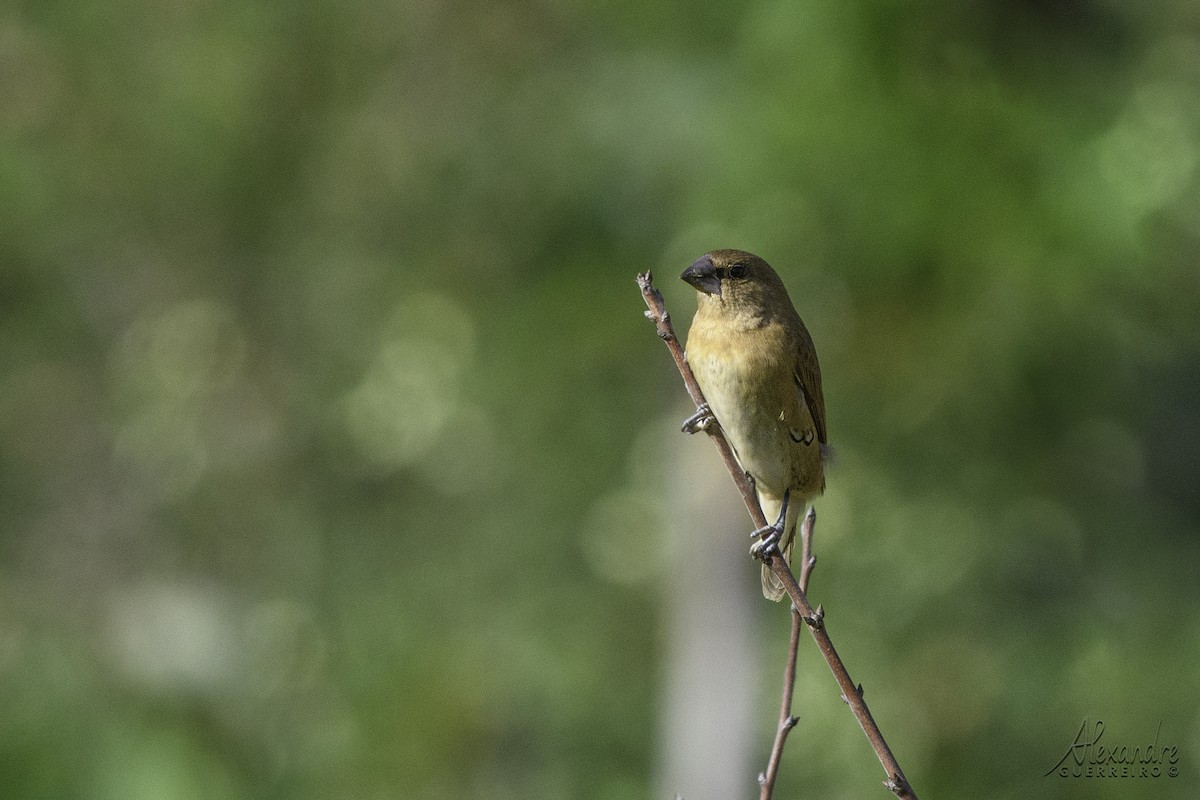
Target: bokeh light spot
[(398, 412), (169, 367), (1149, 156), (172, 637)]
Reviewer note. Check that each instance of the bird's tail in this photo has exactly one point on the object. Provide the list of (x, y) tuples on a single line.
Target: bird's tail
[(771, 585)]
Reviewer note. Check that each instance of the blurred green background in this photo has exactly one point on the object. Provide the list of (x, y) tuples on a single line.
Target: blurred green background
[(332, 456)]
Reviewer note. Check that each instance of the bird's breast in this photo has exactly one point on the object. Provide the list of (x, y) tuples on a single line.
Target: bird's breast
[(748, 381)]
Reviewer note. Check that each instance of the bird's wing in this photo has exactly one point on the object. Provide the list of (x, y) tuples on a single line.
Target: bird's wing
[(808, 382)]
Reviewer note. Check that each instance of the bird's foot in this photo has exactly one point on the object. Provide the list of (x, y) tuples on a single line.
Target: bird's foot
[(769, 535), (700, 420), (768, 545)]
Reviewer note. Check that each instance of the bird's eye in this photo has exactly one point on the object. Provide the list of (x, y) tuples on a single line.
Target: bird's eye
[(737, 271)]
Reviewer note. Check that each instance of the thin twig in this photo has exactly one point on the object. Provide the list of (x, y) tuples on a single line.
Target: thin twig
[(808, 559), (896, 783), (787, 720)]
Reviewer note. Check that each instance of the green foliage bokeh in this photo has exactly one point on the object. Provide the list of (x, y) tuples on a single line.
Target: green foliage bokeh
[(322, 368)]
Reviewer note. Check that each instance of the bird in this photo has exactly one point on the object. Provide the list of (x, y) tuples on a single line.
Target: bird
[(757, 366)]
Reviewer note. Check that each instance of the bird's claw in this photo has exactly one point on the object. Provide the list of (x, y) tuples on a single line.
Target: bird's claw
[(768, 544), (700, 420), (769, 535)]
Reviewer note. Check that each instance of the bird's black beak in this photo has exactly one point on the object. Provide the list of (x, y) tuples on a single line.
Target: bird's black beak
[(703, 275)]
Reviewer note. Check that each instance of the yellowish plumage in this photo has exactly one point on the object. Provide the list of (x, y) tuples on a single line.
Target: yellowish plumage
[(756, 364)]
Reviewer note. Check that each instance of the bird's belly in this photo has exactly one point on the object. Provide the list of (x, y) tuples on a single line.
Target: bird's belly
[(760, 439)]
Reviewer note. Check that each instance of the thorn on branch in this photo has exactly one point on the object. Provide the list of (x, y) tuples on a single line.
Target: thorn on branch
[(762, 779), (790, 722), (859, 689)]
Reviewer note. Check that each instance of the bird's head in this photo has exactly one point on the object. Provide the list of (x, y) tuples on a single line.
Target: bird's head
[(735, 282)]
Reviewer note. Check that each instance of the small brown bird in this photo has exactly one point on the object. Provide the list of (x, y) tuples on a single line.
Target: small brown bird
[(756, 364)]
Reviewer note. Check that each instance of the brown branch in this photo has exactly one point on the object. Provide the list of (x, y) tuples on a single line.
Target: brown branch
[(815, 618), (787, 720), (807, 559)]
